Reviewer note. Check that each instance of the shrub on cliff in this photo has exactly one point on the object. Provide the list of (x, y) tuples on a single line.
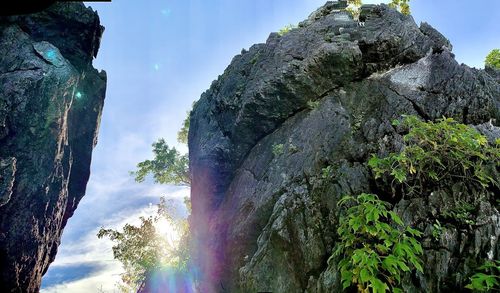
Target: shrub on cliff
[(439, 154), (375, 247), (493, 59), (402, 5), (436, 155), (487, 278)]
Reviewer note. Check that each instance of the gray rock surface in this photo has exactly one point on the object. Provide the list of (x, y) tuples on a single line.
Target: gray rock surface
[(51, 99), (325, 94)]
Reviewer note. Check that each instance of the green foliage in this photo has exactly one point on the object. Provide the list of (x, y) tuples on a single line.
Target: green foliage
[(487, 279), (493, 59), (285, 30), (312, 104), (182, 135), (440, 152), (375, 254), (437, 230), (402, 5), (167, 167), (293, 148), (461, 212), (278, 149), (327, 172), (141, 249)]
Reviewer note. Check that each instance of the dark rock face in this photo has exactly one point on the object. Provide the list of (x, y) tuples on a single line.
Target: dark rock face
[(325, 95), (51, 99)]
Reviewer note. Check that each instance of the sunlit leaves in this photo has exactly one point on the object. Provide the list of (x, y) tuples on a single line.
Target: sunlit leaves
[(142, 249), (375, 247), (493, 59), (402, 5), (167, 167), (286, 29), (444, 151), (182, 135)]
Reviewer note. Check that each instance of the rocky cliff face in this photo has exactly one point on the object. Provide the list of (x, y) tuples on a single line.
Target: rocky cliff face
[(325, 94), (51, 100)]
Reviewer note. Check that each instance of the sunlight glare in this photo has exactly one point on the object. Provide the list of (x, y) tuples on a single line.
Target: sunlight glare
[(168, 232)]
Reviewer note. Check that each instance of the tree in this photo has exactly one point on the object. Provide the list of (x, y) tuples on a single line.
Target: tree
[(142, 249), (182, 135), (144, 252), (493, 59), (167, 167)]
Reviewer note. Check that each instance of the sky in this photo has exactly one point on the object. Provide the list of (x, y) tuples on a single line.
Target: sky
[(160, 55)]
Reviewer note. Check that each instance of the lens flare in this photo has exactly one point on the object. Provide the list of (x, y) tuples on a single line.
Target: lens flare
[(167, 231)]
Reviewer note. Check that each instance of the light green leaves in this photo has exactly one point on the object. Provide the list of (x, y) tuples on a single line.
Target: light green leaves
[(493, 59), (402, 5), (278, 149), (167, 167), (487, 279), (285, 30), (375, 247), (439, 152), (142, 249), (182, 135)]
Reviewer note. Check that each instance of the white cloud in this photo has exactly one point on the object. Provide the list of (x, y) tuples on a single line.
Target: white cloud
[(105, 280)]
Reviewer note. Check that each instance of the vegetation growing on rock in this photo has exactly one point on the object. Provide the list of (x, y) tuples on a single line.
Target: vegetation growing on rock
[(493, 59), (402, 5), (488, 277), (438, 154), (285, 30), (375, 254)]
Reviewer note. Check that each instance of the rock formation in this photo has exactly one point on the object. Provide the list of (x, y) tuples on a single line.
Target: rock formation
[(325, 94), (51, 100)]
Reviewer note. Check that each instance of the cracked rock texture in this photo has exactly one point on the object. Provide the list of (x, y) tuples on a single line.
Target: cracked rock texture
[(51, 100), (325, 94)]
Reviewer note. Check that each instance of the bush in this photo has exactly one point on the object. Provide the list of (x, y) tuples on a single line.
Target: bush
[(493, 59), (441, 152), (375, 254), (487, 279), (402, 5), (286, 29)]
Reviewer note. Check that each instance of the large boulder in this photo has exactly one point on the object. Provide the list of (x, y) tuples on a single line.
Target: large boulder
[(51, 100), (264, 217)]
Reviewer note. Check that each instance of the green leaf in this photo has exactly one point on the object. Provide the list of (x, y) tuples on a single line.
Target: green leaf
[(365, 275), (378, 286), (396, 218)]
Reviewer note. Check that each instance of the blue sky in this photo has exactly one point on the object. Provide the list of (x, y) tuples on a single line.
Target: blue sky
[(160, 55)]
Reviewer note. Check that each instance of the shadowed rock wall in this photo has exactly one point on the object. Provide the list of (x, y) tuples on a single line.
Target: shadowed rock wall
[(51, 100)]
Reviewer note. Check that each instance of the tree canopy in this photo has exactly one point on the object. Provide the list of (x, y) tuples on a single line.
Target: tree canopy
[(167, 167)]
